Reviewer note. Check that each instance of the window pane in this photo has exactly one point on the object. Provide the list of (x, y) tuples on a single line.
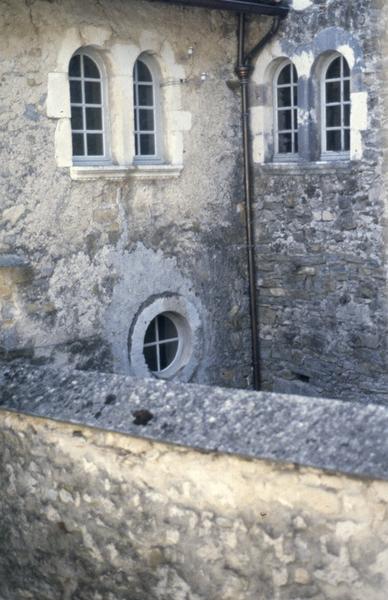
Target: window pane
[(334, 71), (77, 121), (347, 140), (285, 143), (135, 98), (294, 73), (346, 91), (347, 115), (334, 141), (146, 119), (295, 95), (333, 116), (295, 119), (75, 92), (167, 329), (150, 334), (151, 357), (346, 68), (333, 91), (90, 68), (167, 354), (296, 142), (146, 96), (92, 92), (284, 96), (136, 145), (78, 144), (143, 72), (95, 144), (147, 144), (284, 120), (94, 118), (75, 66), (285, 75)]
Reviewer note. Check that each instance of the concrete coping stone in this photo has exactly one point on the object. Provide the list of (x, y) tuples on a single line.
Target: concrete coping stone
[(9, 261), (347, 437)]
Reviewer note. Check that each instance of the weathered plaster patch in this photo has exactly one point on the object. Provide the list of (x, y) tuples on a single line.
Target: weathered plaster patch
[(141, 275)]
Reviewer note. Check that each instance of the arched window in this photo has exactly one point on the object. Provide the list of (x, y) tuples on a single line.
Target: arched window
[(336, 106), (286, 110), (146, 110), (87, 109)]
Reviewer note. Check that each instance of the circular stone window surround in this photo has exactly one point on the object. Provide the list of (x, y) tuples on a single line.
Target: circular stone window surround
[(186, 319)]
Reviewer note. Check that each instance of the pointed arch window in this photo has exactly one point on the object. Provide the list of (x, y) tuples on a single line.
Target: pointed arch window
[(147, 111), (88, 118), (336, 107), (286, 111)]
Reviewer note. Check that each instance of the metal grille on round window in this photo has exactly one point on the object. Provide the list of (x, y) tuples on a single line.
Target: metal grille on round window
[(161, 343), (86, 107)]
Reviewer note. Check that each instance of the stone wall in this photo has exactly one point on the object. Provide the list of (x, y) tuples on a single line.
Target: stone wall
[(104, 244), (93, 515), (320, 225)]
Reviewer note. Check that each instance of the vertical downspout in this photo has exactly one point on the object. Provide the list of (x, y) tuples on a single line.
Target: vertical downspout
[(244, 70)]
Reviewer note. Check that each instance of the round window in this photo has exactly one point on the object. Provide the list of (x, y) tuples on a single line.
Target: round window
[(164, 339), (161, 344)]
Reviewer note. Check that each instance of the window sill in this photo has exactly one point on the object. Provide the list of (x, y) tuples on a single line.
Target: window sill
[(302, 167), (92, 172)]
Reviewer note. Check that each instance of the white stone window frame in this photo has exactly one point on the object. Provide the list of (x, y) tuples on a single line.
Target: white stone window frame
[(285, 156), (308, 59), (188, 323), (119, 58), (325, 65), (106, 157), (157, 157)]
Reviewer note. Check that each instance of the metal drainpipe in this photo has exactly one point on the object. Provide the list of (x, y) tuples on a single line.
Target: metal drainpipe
[(244, 70)]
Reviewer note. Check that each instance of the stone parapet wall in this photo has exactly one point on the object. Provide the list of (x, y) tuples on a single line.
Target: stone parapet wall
[(156, 491), (94, 515)]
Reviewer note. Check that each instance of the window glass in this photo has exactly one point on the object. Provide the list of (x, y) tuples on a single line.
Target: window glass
[(75, 66), (286, 110), (90, 68), (145, 113), (87, 110), (161, 343), (336, 106)]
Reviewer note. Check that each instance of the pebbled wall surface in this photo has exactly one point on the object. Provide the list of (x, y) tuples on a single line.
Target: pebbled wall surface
[(321, 236)]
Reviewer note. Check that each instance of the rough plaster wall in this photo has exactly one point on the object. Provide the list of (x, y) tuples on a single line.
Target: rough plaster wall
[(66, 229), (320, 239), (92, 515)]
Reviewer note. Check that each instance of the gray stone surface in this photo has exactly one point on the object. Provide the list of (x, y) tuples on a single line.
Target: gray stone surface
[(321, 227), (341, 436)]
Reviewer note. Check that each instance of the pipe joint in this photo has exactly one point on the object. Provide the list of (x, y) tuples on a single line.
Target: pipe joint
[(243, 73)]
